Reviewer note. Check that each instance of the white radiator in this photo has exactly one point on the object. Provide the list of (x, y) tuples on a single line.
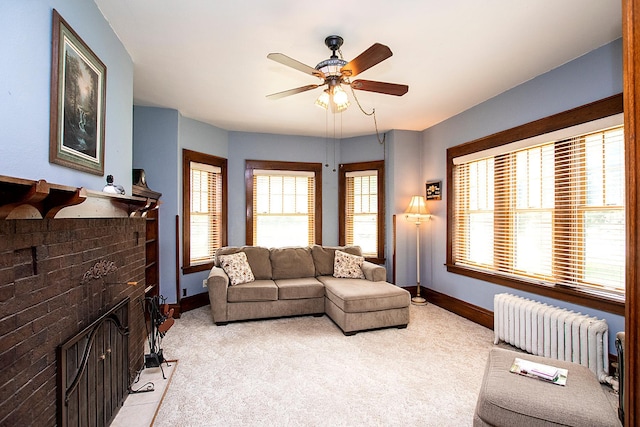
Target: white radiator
[(549, 331)]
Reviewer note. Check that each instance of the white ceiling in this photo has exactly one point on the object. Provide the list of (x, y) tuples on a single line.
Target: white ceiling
[(208, 59)]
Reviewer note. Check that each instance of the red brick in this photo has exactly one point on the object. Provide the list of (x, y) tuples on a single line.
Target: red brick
[(27, 345), (8, 390), (50, 264), (25, 286), (35, 310), (30, 226), (8, 323), (7, 291)]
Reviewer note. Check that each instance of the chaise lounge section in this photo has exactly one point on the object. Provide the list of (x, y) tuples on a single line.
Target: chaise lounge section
[(252, 282)]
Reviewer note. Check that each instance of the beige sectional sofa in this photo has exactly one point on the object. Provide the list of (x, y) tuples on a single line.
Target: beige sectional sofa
[(301, 281)]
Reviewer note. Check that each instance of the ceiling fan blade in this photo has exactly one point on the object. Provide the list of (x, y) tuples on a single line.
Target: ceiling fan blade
[(380, 87), (279, 95), (290, 62), (367, 59)]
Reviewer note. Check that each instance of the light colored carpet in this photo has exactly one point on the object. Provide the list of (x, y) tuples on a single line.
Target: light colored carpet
[(303, 371)]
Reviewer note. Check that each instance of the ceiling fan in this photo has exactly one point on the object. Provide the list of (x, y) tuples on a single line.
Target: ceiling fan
[(335, 72)]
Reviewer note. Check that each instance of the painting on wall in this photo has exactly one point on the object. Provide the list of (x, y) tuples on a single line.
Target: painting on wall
[(78, 80), (434, 190)]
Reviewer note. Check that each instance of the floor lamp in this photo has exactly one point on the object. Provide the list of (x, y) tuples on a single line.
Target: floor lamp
[(417, 213)]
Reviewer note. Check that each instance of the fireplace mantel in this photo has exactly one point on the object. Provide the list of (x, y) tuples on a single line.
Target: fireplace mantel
[(28, 199)]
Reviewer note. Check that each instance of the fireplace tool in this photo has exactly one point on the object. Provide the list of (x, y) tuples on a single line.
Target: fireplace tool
[(160, 321)]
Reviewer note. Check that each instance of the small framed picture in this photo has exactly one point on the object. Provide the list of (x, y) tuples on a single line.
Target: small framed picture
[(78, 80), (434, 190)]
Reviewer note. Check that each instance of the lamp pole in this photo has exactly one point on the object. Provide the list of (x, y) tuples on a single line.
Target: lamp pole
[(416, 212), (418, 300)]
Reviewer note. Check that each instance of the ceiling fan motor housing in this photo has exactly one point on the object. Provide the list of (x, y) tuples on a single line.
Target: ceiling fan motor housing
[(334, 43), (331, 66)]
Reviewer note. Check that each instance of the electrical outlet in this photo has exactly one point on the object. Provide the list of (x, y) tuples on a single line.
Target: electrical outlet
[(204, 283)]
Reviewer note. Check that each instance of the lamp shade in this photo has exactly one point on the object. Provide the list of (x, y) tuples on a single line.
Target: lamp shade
[(417, 209), (323, 100)]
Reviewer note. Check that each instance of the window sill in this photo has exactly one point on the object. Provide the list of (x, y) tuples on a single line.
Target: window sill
[(379, 261), (570, 295), (195, 268)]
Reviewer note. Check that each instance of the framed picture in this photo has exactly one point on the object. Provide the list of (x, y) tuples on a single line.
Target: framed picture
[(78, 80), (434, 190)]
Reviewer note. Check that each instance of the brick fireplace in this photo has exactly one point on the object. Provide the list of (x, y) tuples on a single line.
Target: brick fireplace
[(44, 301)]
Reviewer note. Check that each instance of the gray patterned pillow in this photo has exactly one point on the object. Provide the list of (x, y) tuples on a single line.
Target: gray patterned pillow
[(237, 268), (347, 266)]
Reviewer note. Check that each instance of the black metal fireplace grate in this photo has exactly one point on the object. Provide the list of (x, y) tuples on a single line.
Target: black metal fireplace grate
[(93, 370)]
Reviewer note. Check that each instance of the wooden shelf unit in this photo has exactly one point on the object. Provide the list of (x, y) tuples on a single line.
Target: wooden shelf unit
[(152, 249), (152, 244)]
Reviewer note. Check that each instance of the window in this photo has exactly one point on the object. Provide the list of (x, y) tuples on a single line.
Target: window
[(204, 209), (284, 205), (361, 208), (544, 213), (601, 210)]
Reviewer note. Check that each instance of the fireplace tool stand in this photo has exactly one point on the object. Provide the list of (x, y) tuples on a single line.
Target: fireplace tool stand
[(160, 320)]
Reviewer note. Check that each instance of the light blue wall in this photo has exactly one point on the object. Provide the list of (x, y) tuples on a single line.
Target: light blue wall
[(362, 149), (589, 78), (160, 134), (259, 146), (204, 138), (403, 169), (155, 132), (25, 84)]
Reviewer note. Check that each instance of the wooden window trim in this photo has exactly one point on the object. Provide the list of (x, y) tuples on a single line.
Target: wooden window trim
[(251, 165), (189, 156), (583, 114), (378, 166)]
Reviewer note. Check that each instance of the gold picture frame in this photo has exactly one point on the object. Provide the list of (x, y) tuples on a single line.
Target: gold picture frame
[(78, 91)]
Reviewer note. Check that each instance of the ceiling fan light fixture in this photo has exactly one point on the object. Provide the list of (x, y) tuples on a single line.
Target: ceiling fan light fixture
[(340, 99), (323, 100)]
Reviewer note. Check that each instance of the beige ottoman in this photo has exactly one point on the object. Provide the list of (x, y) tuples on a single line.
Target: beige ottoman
[(358, 305), (508, 399)]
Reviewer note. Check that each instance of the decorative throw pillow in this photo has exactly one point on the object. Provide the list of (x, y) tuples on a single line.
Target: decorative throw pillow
[(237, 268), (347, 266)]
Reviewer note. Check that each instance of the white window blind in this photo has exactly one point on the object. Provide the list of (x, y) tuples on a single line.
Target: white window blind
[(283, 208), (362, 211), (551, 213), (205, 212)]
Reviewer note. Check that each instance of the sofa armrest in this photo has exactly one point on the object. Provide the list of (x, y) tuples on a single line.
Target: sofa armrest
[(374, 272), (217, 284)]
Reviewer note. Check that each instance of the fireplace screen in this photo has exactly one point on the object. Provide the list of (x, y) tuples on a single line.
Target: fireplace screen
[(93, 371)]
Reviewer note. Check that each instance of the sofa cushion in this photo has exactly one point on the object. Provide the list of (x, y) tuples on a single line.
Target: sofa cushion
[(347, 265), (257, 256), (225, 250), (259, 261), (305, 287), (359, 295), (508, 399), (323, 257), (237, 268), (258, 290), (291, 263)]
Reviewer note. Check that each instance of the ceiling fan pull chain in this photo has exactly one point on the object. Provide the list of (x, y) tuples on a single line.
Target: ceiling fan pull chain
[(372, 113), (384, 135)]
